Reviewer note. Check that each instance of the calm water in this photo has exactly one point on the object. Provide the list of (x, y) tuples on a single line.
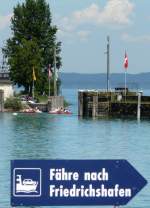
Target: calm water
[(67, 137)]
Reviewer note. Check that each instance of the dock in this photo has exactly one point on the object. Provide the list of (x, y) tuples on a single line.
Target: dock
[(54, 102), (114, 103)]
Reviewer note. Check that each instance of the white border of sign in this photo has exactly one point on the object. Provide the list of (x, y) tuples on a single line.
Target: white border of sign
[(14, 182)]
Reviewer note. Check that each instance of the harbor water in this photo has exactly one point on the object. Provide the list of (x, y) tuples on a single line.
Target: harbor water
[(44, 136)]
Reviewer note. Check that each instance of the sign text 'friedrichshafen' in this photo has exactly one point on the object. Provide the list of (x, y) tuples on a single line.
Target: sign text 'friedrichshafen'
[(84, 191)]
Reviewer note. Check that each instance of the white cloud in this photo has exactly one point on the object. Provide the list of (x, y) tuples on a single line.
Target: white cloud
[(83, 35), (5, 21), (115, 12), (136, 39)]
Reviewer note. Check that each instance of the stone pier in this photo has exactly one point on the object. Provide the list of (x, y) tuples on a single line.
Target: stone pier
[(100, 103), (55, 102)]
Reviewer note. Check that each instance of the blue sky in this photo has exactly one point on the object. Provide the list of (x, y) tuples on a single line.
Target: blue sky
[(83, 27)]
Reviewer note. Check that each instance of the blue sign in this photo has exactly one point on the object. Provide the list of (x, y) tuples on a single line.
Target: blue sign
[(73, 182)]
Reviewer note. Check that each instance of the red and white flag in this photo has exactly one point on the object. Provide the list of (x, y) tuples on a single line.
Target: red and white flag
[(49, 72), (126, 61)]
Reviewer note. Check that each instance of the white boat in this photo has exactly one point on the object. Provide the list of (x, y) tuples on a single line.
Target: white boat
[(15, 114), (38, 111), (60, 111)]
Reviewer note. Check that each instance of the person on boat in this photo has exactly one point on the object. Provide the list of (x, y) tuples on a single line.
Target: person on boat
[(28, 110), (61, 109), (37, 110), (67, 111)]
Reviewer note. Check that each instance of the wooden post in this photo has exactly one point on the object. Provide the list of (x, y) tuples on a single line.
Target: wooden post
[(95, 106), (139, 106), (80, 103)]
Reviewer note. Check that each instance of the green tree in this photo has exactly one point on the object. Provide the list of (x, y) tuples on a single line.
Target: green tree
[(32, 45)]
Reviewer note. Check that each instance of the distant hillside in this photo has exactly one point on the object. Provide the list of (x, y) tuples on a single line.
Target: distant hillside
[(75, 80)]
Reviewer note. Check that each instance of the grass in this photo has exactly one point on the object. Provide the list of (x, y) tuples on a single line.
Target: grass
[(42, 98)]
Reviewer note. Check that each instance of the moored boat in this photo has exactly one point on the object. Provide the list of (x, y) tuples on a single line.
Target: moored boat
[(61, 111)]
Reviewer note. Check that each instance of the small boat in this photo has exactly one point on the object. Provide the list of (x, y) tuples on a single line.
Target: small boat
[(31, 110), (15, 114), (54, 111), (61, 111), (37, 110), (28, 111), (67, 112)]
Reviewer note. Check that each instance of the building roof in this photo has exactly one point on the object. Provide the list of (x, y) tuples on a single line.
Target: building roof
[(4, 78)]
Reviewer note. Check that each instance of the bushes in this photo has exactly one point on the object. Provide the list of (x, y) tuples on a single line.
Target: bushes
[(66, 103), (13, 103)]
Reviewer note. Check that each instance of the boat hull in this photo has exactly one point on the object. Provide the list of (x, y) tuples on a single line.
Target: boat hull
[(20, 188)]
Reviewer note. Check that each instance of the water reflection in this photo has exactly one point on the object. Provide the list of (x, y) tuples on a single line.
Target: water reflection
[(32, 135)]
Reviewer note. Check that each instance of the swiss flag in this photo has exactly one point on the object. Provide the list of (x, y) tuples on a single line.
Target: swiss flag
[(126, 61)]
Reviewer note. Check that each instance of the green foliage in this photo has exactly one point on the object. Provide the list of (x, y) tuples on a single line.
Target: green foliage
[(46, 89), (13, 103), (42, 98), (66, 103), (32, 45)]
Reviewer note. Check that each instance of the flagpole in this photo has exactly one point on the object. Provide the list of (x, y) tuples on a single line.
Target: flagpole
[(55, 83), (49, 87), (33, 77), (33, 89), (125, 84), (126, 66), (108, 63)]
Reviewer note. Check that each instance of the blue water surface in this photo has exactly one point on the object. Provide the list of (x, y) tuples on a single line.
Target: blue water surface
[(44, 136)]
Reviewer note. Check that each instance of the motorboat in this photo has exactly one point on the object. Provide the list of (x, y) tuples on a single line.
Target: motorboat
[(68, 112), (31, 110), (61, 111)]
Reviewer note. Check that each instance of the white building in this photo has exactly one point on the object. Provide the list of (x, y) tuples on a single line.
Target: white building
[(6, 85)]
